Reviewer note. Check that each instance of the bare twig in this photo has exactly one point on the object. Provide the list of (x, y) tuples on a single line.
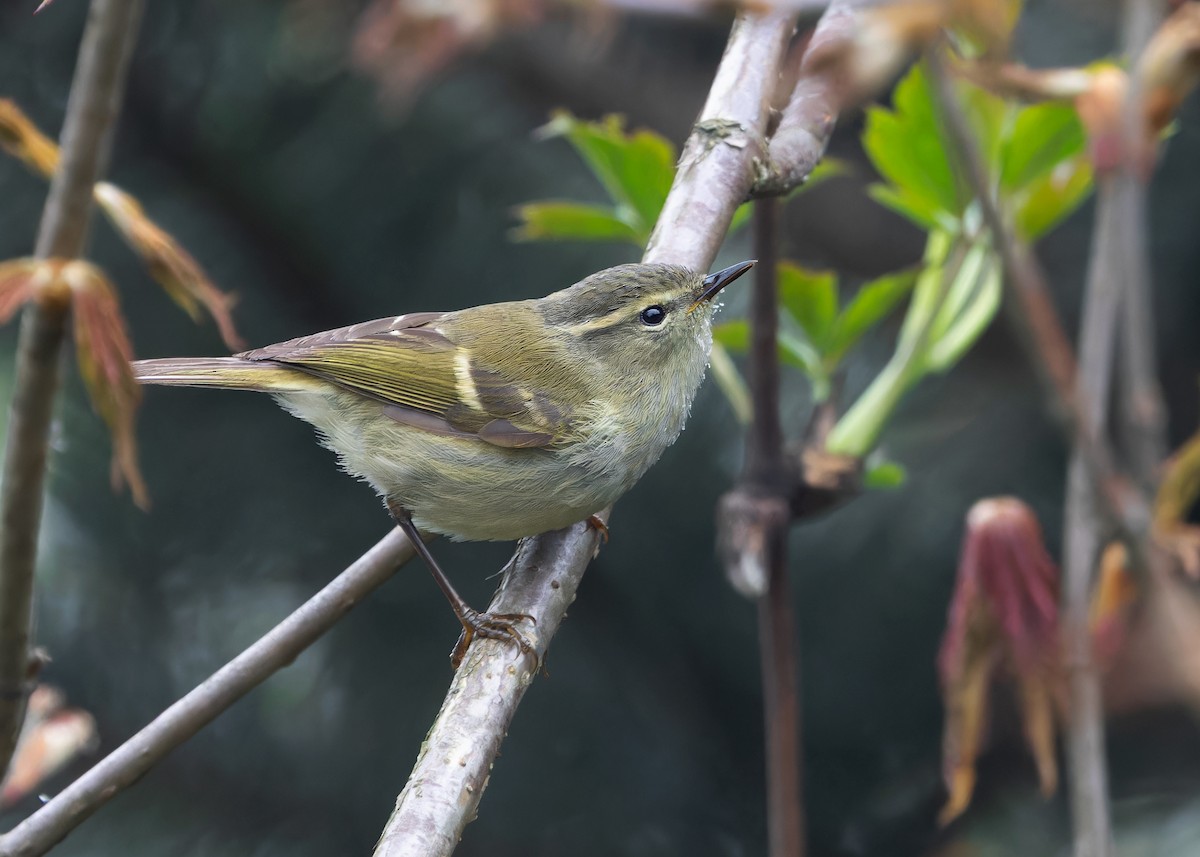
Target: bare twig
[(275, 650), (92, 109), (715, 174), (1087, 768), (1031, 313), (1142, 416), (807, 120), (764, 477)]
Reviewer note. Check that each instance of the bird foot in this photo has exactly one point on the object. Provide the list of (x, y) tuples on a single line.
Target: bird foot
[(492, 626), (599, 526)]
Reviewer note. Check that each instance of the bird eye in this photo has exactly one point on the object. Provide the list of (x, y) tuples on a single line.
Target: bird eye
[(653, 316)]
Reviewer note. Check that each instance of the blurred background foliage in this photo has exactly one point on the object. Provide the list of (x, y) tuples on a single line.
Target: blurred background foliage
[(325, 192)]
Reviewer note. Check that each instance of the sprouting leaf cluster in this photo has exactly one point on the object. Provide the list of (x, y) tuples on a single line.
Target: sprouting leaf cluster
[(1038, 173)]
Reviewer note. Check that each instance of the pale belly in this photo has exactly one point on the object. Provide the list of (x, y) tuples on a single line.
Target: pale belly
[(464, 488)]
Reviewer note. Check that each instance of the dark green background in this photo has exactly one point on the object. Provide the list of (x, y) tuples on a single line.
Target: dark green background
[(247, 138)]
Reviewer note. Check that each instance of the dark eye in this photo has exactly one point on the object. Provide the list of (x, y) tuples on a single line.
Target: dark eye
[(653, 316)]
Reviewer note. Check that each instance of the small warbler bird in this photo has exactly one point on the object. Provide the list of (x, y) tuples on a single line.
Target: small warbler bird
[(499, 421)]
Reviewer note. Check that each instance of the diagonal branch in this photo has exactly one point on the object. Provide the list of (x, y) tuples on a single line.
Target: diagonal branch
[(273, 651), (92, 109), (716, 173)]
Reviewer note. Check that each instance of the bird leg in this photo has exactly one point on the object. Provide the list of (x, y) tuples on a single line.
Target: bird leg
[(491, 626)]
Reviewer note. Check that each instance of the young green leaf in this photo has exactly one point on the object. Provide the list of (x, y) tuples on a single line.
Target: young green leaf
[(1047, 200), (810, 297), (885, 476), (905, 146), (559, 221), (636, 169), (733, 335), (872, 303), (1041, 138)]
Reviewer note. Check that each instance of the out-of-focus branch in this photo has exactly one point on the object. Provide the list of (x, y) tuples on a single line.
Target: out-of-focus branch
[(1087, 767), (807, 120), (92, 109), (1142, 415), (275, 650), (1030, 311), (715, 174)]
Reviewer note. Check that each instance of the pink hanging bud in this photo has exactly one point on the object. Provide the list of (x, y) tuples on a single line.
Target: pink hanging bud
[(1003, 621)]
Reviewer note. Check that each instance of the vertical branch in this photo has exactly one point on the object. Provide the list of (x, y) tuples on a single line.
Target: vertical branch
[(1087, 765), (95, 100), (764, 473), (1142, 416)]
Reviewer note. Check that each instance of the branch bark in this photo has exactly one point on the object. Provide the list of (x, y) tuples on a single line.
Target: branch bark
[(717, 169), (1142, 415), (764, 476), (92, 108), (276, 649)]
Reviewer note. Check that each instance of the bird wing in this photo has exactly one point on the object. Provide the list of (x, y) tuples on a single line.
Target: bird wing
[(426, 380)]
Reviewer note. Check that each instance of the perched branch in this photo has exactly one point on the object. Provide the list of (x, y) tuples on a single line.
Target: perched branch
[(92, 108), (456, 758), (716, 172), (275, 650)]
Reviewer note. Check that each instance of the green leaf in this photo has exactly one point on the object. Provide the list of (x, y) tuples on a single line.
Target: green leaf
[(872, 303), (733, 335), (1042, 137), (558, 221), (1048, 199), (905, 146), (916, 208), (885, 476), (811, 299), (636, 169)]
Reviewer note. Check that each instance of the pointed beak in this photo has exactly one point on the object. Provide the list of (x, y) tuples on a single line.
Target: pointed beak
[(713, 283)]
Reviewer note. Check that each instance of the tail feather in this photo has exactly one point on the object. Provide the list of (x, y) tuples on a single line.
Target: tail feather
[(228, 372)]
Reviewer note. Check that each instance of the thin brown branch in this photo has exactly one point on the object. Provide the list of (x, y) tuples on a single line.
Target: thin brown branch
[(715, 174), (806, 121), (1030, 311), (275, 650), (1142, 415), (92, 108), (1087, 767), (764, 475)]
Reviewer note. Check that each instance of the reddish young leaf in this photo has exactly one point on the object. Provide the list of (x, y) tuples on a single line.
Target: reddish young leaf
[(104, 352), (50, 738), (21, 139), (172, 266)]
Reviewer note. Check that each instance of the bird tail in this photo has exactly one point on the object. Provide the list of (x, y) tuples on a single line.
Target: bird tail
[(228, 372)]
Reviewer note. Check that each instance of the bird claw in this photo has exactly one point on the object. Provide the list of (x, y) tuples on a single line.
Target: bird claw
[(492, 626)]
